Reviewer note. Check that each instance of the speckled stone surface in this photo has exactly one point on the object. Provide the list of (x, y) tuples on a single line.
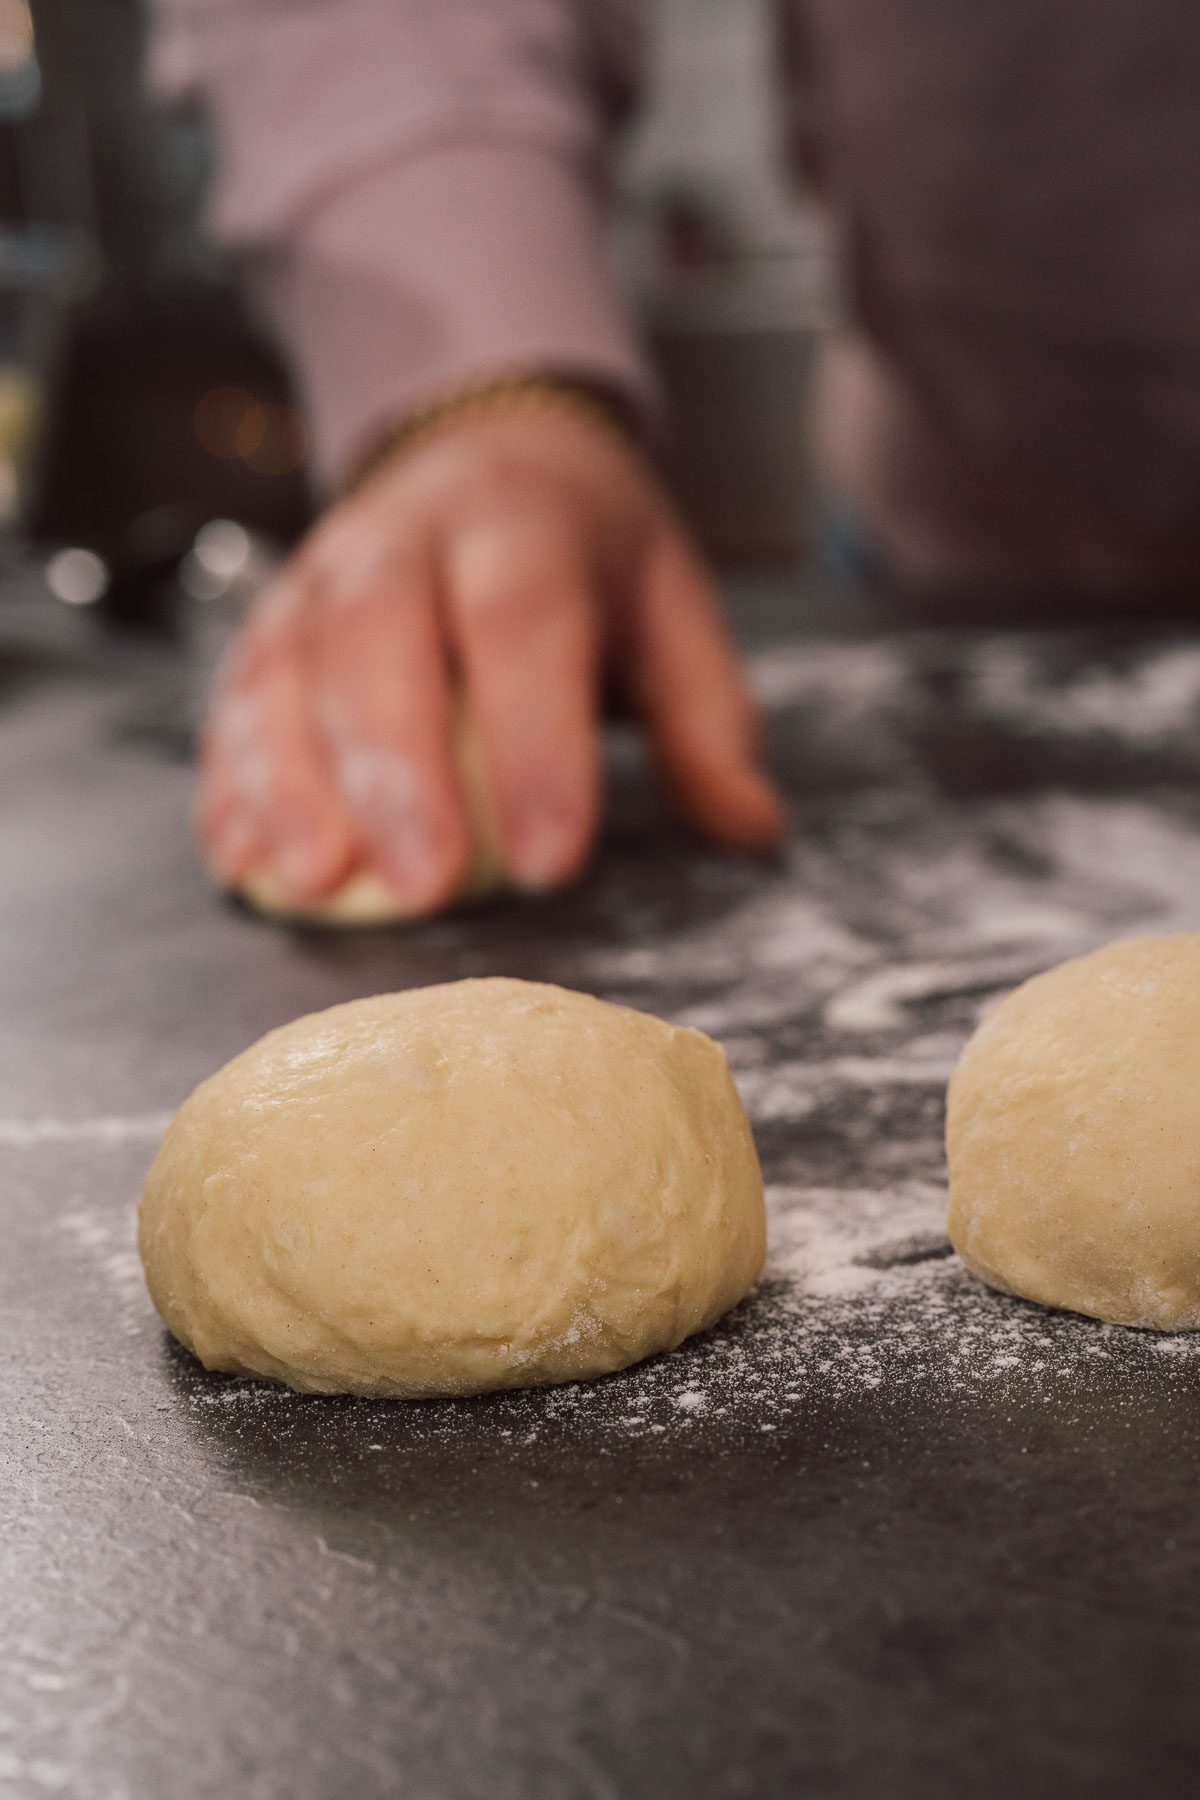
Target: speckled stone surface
[(880, 1533)]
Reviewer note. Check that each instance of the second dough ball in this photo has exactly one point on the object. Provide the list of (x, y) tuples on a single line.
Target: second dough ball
[(483, 1185), (1073, 1134)]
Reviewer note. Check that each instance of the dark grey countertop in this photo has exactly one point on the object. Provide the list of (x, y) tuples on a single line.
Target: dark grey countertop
[(882, 1533)]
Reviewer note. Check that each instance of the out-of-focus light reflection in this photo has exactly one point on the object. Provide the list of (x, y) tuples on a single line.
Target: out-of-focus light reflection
[(220, 555), (250, 432), (235, 427), (218, 420), (274, 443), (223, 548), (77, 577), (196, 581)]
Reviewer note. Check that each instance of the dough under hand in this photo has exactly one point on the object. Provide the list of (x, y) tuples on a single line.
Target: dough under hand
[(1073, 1133), (483, 1185), (366, 898)]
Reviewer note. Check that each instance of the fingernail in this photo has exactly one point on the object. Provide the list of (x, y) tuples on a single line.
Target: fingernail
[(415, 861), (543, 845), (300, 864)]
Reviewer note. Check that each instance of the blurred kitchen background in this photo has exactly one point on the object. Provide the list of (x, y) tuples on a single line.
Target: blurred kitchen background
[(147, 430)]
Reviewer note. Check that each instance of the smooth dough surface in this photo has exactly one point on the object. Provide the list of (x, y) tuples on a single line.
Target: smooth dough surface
[(366, 898), (1073, 1135), (481, 1185)]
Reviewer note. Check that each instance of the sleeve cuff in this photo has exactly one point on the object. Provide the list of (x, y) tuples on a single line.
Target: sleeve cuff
[(424, 275)]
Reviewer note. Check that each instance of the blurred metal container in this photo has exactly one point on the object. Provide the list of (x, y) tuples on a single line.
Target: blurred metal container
[(735, 349)]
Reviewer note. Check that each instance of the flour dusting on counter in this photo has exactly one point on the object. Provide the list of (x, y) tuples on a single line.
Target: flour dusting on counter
[(111, 1130), (862, 1302), (843, 983)]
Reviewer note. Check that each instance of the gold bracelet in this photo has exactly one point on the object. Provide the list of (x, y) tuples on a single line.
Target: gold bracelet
[(500, 394)]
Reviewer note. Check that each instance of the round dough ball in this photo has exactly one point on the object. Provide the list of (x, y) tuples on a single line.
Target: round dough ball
[(1073, 1135), (366, 898), (483, 1185)]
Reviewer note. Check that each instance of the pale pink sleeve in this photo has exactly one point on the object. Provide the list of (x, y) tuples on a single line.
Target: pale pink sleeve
[(417, 188)]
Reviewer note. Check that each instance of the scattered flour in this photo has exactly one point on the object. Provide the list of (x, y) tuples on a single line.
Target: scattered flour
[(106, 1236), (1155, 702), (862, 1301), (842, 986), (29, 1134)]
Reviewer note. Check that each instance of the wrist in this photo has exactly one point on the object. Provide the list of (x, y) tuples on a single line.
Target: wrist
[(529, 395)]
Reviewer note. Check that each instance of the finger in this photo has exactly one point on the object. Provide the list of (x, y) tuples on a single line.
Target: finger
[(275, 621), (523, 617), (271, 786), (385, 710), (694, 697), (229, 833), (232, 752)]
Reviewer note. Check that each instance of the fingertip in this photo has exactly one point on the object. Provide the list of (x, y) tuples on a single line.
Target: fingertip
[(223, 832), (426, 862), (310, 856), (547, 843), (410, 821), (230, 852), (735, 804), (762, 818)]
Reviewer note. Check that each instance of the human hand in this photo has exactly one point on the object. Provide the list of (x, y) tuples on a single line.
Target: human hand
[(513, 557)]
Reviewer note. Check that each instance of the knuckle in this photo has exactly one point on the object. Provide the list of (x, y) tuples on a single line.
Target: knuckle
[(360, 560), (517, 585), (503, 612)]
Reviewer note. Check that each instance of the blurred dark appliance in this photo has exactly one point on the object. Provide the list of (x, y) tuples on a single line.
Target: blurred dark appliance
[(163, 404), (165, 409)]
